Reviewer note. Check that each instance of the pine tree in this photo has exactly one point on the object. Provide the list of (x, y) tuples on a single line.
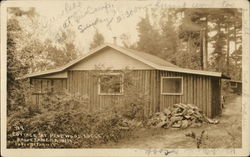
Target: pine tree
[(149, 37), (16, 88), (98, 40), (169, 39)]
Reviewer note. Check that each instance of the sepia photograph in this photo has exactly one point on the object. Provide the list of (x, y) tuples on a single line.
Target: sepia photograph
[(147, 75)]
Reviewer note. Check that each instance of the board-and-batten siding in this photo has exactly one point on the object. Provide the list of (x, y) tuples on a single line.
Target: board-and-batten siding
[(203, 91), (200, 90), (216, 97), (197, 90), (145, 80), (40, 86)]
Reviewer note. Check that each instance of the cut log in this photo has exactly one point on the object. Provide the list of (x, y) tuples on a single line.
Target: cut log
[(167, 112), (184, 124), (177, 118), (177, 125)]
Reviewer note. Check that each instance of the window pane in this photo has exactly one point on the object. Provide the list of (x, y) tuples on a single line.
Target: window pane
[(172, 85), (110, 84), (57, 85), (233, 84), (37, 85)]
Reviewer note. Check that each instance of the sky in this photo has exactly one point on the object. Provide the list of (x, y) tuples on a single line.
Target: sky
[(111, 19)]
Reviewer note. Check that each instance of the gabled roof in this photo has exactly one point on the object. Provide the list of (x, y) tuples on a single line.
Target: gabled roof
[(146, 58), (151, 58)]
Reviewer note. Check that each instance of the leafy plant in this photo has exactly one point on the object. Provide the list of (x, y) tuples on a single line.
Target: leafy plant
[(199, 139)]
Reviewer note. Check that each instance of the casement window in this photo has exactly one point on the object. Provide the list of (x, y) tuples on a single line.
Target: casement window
[(171, 85), (110, 84), (57, 85), (42, 86), (37, 85)]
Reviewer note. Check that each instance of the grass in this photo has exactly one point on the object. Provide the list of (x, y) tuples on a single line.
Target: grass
[(226, 134)]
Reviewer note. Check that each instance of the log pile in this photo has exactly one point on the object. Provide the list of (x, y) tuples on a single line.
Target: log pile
[(180, 116)]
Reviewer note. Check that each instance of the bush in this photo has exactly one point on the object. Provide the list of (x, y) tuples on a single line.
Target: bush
[(66, 114), (133, 103)]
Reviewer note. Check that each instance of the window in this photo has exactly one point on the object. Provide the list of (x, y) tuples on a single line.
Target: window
[(171, 85), (57, 85), (110, 84), (42, 86), (233, 84), (37, 86)]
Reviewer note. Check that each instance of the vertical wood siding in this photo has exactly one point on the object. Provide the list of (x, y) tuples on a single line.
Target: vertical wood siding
[(41, 85), (203, 91), (86, 84), (216, 97)]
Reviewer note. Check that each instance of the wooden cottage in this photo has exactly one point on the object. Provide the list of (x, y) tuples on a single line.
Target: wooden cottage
[(165, 83)]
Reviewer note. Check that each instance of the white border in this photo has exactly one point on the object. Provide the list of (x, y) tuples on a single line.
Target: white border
[(244, 151)]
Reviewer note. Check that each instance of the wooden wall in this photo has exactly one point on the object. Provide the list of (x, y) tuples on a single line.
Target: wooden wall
[(40, 86), (84, 83), (202, 91), (197, 89), (216, 97)]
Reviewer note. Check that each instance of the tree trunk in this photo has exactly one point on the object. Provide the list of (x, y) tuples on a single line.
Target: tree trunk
[(228, 48), (206, 43), (235, 37), (218, 66), (201, 49)]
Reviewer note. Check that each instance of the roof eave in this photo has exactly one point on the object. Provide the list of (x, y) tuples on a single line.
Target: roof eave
[(223, 76), (190, 71), (174, 69)]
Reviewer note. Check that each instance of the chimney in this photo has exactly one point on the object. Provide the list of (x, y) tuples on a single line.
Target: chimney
[(114, 40)]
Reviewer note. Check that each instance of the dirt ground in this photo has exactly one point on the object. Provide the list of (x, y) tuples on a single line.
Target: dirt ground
[(226, 134)]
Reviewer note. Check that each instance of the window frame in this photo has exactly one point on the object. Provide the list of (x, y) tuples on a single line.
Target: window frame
[(112, 74), (233, 86), (49, 85), (169, 77)]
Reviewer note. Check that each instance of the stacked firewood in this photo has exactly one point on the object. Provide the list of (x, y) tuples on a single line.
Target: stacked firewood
[(180, 116)]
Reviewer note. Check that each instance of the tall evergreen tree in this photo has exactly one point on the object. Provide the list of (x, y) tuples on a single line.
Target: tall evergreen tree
[(169, 38), (16, 88), (149, 37), (98, 40)]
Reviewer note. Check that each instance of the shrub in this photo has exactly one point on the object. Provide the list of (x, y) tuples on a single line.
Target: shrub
[(133, 103), (67, 114)]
